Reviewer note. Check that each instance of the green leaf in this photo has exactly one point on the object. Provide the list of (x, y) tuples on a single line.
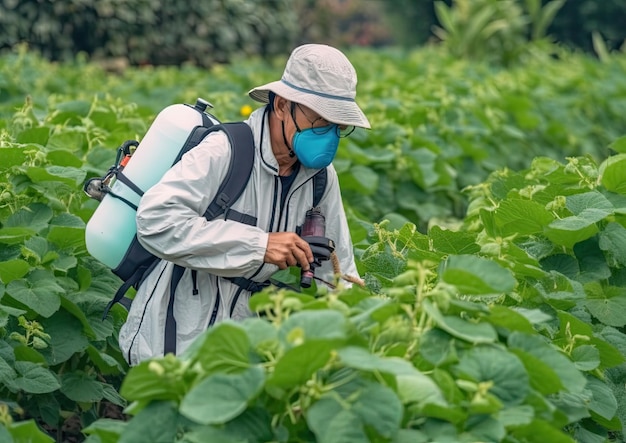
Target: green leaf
[(71, 176), (610, 356), (453, 242), (223, 348), (36, 136), (13, 236), (591, 206), (11, 157), (613, 240), (521, 217), (360, 358), (155, 379), (474, 275), (80, 387), (509, 319), (39, 292), (361, 179), (221, 397), (13, 269), (379, 407), (542, 377), (586, 357), (506, 372), (571, 378), (66, 337), (34, 378), (334, 425), (603, 401), (313, 325), (28, 431), (609, 309), (372, 405), (157, 422), (540, 431), (35, 216), (106, 429), (67, 231), (472, 332), (298, 364), (419, 389), (260, 332), (570, 230), (7, 373), (619, 145), (613, 173)]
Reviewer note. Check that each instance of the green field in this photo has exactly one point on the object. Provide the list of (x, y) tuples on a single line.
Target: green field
[(488, 211)]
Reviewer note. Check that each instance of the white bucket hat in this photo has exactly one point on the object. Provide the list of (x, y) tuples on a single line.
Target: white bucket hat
[(321, 78)]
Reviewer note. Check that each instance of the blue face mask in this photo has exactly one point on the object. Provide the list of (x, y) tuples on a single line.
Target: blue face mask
[(316, 151)]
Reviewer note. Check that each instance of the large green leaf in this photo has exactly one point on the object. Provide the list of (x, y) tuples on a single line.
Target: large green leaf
[(28, 431), (571, 378), (458, 327), (13, 269), (66, 337), (223, 348), (157, 422), (221, 397), (521, 217), (298, 364), (474, 275), (39, 292), (11, 157), (503, 369), (313, 325), (80, 387), (35, 379), (372, 405), (613, 173), (610, 307), (613, 240)]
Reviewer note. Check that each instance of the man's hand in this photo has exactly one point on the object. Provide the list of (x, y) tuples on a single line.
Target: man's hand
[(285, 249)]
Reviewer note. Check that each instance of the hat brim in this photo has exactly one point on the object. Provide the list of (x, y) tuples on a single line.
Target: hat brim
[(336, 110)]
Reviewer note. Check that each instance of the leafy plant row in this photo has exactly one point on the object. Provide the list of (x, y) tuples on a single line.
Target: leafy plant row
[(488, 326), (509, 329)]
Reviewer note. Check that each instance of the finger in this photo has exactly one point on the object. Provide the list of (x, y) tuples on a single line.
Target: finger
[(303, 254)]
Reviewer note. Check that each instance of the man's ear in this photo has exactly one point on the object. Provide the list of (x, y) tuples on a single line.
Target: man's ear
[(281, 107)]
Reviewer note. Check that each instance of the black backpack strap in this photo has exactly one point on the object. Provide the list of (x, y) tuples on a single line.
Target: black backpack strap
[(239, 170), (237, 177), (319, 186), (169, 345)]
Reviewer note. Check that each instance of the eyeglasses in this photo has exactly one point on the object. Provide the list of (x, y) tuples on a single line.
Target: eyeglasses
[(342, 131)]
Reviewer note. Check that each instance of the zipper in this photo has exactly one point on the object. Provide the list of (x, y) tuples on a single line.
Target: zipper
[(293, 191), (272, 219)]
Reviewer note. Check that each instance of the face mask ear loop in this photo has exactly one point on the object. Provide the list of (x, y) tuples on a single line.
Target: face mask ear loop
[(291, 153)]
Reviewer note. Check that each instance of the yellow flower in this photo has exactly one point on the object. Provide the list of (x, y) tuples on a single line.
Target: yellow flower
[(246, 110)]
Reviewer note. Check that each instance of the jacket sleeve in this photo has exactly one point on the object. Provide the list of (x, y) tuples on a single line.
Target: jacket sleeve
[(337, 230), (171, 222)]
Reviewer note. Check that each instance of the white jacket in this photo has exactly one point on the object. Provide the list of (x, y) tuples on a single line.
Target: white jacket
[(171, 225)]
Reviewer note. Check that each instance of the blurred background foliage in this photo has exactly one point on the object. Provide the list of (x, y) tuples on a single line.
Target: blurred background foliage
[(138, 32)]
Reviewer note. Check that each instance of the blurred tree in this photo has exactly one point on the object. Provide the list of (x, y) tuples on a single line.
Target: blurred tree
[(344, 22), (411, 21), (150, 31), (578, 19)]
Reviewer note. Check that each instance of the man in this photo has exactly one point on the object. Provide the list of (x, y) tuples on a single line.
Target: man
[(296, 136)]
